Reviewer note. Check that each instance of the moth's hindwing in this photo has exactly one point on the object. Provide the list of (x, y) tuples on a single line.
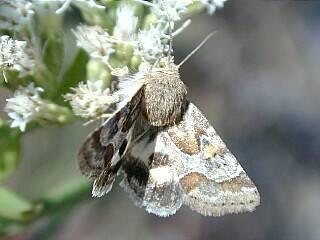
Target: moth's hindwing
[(100, 155), (187, 164), (155, 190)]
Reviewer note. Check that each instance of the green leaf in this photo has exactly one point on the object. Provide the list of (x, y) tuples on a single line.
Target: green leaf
[(13, 207), (9, 228), (9, 149), (75, 74), (54, 54)]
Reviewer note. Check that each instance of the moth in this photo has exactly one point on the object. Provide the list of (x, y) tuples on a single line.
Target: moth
[(167, 150)]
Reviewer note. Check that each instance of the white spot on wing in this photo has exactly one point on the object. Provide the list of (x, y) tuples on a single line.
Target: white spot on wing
[(161, 174)]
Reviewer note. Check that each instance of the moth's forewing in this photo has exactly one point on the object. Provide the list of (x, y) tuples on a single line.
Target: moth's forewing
[(188, 164), (99, 157), (212, 180)]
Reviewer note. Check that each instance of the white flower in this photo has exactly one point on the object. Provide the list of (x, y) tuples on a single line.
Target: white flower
[(91, 100), (170, 8), (15, 55), (14, 14), (126, 22), (149, 44), (24, 106), (213, 5), (80, 3), (95, 41)]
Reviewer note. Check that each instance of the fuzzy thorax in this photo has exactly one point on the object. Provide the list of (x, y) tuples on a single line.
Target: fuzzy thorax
[(164, 95)]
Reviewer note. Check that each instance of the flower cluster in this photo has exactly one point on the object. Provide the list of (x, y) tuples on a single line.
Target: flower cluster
[(15, 55), (24, 106), (170, 9), (15, 14), (95, 41), (213, 5), (140, 33), (126, 23), (150, 43), (27, 105), (91, 99), (67, 3)]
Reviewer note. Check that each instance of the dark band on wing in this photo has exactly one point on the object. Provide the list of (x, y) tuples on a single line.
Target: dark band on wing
[(109, 151), (136, 176), (91, 155), (123, 147), (135, 168)]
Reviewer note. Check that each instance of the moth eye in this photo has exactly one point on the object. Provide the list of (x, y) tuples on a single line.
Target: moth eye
[(123, 147)]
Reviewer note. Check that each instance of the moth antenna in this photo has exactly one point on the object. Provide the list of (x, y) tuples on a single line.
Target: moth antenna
[(196, 49)]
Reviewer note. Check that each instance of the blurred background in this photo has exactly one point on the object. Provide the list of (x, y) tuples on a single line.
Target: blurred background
[(258, 82)]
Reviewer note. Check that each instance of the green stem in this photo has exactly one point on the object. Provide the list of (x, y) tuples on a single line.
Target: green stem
[(54, 113), (51, 204), (45, 79), (66, 197)]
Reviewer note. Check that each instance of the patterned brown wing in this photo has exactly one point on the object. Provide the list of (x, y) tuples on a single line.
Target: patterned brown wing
[(187, 164), (100, 155), (148, 179), (212, 180)]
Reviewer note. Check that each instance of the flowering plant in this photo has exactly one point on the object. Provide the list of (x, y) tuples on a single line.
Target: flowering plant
[(59, 70)]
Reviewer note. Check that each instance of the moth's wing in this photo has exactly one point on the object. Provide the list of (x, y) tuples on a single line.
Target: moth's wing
[(187, 164), (99, 157), (211, 179), (149, 178)]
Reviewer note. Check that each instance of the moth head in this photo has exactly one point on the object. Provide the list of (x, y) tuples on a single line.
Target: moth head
[(167, 67)]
